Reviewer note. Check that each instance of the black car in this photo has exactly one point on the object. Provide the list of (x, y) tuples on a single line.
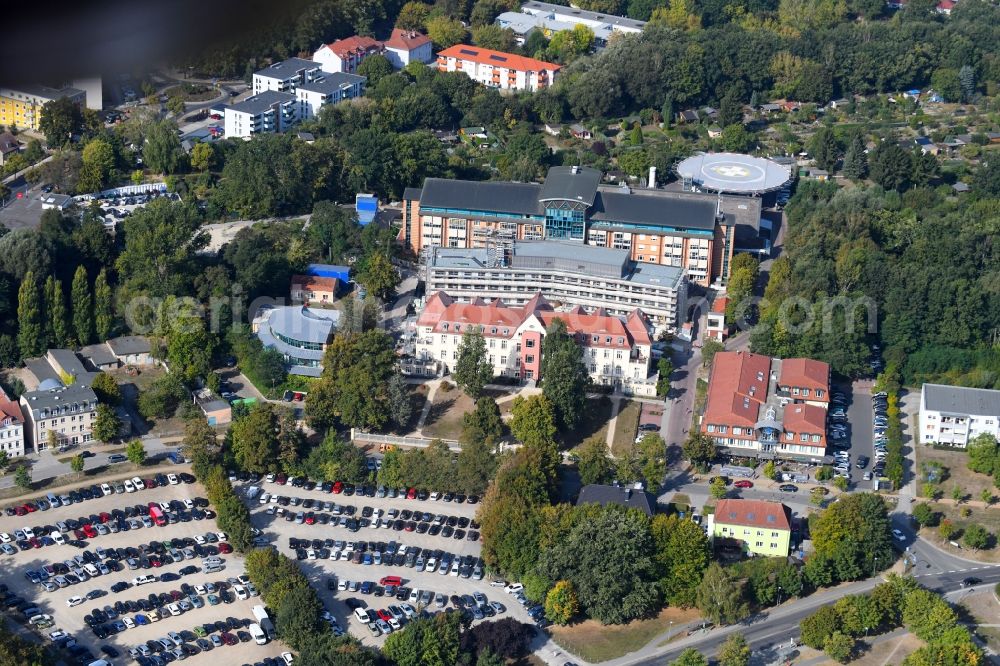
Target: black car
[(110, 651), (863, 462), (971, 581), (788, 488)]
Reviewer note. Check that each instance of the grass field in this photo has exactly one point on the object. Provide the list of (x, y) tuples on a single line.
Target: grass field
[(987, 517), (596, 642), (444, 420), (594, 424), (625, 428)]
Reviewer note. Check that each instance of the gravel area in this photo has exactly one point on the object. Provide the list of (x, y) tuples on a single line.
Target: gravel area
[(71, 619)]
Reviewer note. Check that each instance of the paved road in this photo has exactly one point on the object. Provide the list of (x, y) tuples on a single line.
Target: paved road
[(860, 435)]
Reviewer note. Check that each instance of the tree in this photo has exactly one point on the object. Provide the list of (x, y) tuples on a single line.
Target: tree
[(825, 149), (564, 376), (97, 170), (254, 440), (841, 483), (107, 389), (136, 452), (719, 597), (986, 496), (202, 156), (683, 555), (476, 465), (104, 319), (854, 534), (55, 307), (296, 618), (4, 460), (107, 425), (445, 32), (717, 489), (31, 338), (492, 36), (83, 307), (533, 423), (699, 448), (664, 369), (890, 166), (855, 159), (77, 464), (594, 464), (337, 460), (190, 345), (561, 604), (976, 537), (709, 349), (736, 138), (413, 16), (818, 627), (22, 477), (484, 424), (375, 67), (927, 615), (400, 405), (735, 651), (947, 529), (690, 656), (839, 647), (473, 369), (817, 496), (967, 82), (162, 151), (983, 453), (60, 119), (200, 446), (380, 277)]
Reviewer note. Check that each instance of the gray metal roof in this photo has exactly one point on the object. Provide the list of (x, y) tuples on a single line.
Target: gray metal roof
[(573, 257), (961, 400), (633, 498), (99, 354), (74, 394), (489, 196), (287, 69), (332, 82), (129, 344), (261, 102), (654, 209), (583, 14), (301, 323), (733, 172), (412, 194), (655, 274), (571, 183)]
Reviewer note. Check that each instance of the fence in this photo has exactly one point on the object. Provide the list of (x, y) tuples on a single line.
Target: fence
[(419, 442)]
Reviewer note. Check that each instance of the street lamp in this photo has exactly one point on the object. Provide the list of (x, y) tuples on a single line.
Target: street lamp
[(875, 566)]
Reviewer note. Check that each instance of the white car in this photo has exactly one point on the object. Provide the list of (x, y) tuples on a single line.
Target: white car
[(5, 538), (129, 488), (172, 479), (222, 536), (241, 592), (58, 538), (498, 583), (264, 498), (513, 587), (270, 477), (435, 496), (74, 601), (899, 535), (200, 589), (128, 622), (28, 532), (288, 657), (199, 539), (174, 609), (106, 489), (138, 483), (57, 634)]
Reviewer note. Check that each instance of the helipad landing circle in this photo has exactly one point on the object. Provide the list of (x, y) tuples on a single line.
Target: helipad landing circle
[(732, 172)]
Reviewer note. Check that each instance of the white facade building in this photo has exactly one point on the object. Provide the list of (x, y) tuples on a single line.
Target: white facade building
[(406, 46), (69, 411), (497, 69), (11, 427), (286, 76), (953, 415), (266, 112), (553, 18), (616, 351), (344, 55), (330, 88)]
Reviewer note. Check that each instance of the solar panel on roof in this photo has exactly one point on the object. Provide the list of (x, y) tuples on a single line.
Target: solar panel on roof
[(468, 52), (496, 57)]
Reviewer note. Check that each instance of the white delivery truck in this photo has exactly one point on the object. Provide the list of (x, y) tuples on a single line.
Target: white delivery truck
[(266, 626)]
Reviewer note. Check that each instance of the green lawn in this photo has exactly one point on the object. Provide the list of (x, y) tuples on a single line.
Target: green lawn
[(595, 642), (595, 422), (625, 428)]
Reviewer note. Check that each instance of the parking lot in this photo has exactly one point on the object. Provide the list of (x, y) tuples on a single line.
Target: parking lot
[(23, 213), (859, 429), (340, 573), (72, 619)]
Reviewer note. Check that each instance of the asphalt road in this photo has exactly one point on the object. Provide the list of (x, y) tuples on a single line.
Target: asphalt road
[(859, 419)]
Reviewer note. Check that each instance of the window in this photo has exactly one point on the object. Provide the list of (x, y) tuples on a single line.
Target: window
[(819, 393), (530, 358), (710, 428), (795, 390), (723, 429), (760, 544), (530, 344), (804, 437), (805, 392)]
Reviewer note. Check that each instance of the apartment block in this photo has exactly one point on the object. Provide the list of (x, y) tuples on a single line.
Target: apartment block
[(22, 107), (953, 415), (497, 69), (759, 527), (67, 411), (11, 427), (767, 408), (286, 76), (344, 55), (266, 112), (328, 88), (565, 273), (616, 350), (692, 232)]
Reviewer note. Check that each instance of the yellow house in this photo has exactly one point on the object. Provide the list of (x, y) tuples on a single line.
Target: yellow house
[(763, 528), (22, 107)]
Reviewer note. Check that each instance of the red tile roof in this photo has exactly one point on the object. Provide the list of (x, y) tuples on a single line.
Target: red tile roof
[(315, 283), (406, 40), (804, 418), (10, 410), (805, 373), (354, 44), (497, 58), (737, 388), (752, 513), (719, 305)]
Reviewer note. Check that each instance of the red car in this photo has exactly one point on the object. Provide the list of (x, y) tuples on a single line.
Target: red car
[(35, 542), (383, 614), (89, 531), (105, 516), (281, 479), (310, 519), (411, 493), (20, 510), (225, 548), (743, 483), (30, 507), (338, 487), (150, 483), (80, 534), (230, 639)]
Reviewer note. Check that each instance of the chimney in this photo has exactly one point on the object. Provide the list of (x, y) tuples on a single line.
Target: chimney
[(628, 494)]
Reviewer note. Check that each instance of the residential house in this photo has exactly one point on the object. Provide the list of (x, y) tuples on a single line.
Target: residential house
[(926, 145), (953, 415), (714, 132), (632, 497), (266, 112), (716, 327), (760, 527), (406, 46), (311, 289), (961, 188), (580, 132), (945, 7), (344, 55), (9, 146), (67, 411), (770, 108), (11, 427), (767, 408), (553, 129), (688, 116), (496, 69), (131, 350), (616, 351)]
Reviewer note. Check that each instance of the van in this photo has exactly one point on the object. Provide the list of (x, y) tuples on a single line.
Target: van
[(390, 580), (252, 492), (362, 615), (258, 634), (91, 570)]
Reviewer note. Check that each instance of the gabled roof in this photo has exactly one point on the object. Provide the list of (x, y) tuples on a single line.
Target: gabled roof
[(497, 59), (737, 388), (406, 40), (753, 513), (572, 183), (314, 283), (799, 418), (354, 44), (10, 409), (805, 373)]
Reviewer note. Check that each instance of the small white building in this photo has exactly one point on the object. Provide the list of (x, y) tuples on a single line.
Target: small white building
[(268, 111), (952, 415), (286, 76), (344, 55), (406, 46), (329, 88)]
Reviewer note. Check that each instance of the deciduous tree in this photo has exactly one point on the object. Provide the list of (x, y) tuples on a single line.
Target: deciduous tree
[(135, 451), (473, 369), (564, 377), (735, 651), (107, 425), (719, 597), (561, 604)]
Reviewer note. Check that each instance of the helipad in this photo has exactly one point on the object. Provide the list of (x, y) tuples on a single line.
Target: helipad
[(732, 172)]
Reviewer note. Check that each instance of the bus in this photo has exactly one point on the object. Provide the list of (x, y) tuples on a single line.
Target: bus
[(156, 513)]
